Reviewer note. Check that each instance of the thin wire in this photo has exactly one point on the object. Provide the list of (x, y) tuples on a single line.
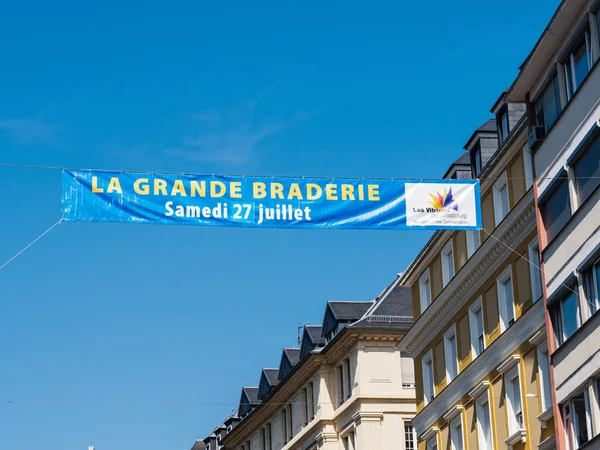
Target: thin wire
[(26, 166), (30, 244), (529, 261)]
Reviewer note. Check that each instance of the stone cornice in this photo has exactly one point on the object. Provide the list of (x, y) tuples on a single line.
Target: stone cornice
[(492, 253)]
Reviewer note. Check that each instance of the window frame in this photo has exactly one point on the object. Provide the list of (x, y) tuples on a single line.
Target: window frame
[(513, 423), (409, 436), (454, 424), (448, 336), (502, 280), (481, 402), (568, 62), (425, 278), (572, 419), (499, 185), (552, 82), (544, 373), (348, 377), (558, 307), (535, 273), (476, 306), (428, 378), (528, 167), (477, 159), (448, 265), (556, 185), (473, 241)]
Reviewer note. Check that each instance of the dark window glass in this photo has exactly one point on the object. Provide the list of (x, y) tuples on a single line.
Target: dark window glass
[(569, 310), (547, 106), (579, 411), (504, 129), (578, 64), (587, 171), (556, 210), (477, 165)]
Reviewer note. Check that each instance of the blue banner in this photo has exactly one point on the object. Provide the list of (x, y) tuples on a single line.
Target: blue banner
[(213, 200)]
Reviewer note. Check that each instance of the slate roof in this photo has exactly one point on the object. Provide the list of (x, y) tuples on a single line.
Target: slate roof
[(392, 310), (199, 445), (293, 355), (252, 394), (271, 375), (314, 332), (488, 127), (464, 159), (348, 310)]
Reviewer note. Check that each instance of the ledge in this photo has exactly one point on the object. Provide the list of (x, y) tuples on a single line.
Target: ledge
[(480, 389), (539, 337), (508, 364), (453, 412), (429, 433), (548, 443), (515, 438), (544, 416)]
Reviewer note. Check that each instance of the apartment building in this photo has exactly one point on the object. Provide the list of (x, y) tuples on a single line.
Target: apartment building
[(560, 83), (347, 387), (478, 341)]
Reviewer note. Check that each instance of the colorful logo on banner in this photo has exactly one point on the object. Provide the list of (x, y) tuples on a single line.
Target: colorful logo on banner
[(212, 200)]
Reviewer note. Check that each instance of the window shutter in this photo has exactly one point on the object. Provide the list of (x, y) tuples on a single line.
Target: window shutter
[(408, 369), (556, 210), (488, 427), (587, 171), (518, 410)]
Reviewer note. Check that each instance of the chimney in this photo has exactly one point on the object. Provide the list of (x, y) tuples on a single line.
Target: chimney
[(91, 447)]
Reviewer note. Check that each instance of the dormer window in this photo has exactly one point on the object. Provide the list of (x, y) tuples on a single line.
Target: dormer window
[(503, 125)]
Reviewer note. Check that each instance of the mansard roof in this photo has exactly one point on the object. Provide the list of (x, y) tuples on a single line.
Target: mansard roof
[(344, 312), (311, 338), (489, 126), (199, 445), (268, 380), (248, 400), (289, 358)]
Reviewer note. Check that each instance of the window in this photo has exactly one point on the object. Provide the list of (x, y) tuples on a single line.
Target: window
[(348, 377), (305, 401), (476, 328), (456, 434), (425, 291), (503, 128), (407, 367), (290, 416), (484, 428), (578, 420), (565, 316), (547, 106), (528, 167), (285, 425), (473, 241), (506, 299), (409, 440), (341, 384), (535, 271), (578, 64), (264, 439), (432, 443), (477, 161), (268, 442), (513, 399), (556, 209), (447, 262), (349, 443), (311, 400), (427, 364), (450, 354), (501, 205), (544, 371), (207, 447), (586, 171)]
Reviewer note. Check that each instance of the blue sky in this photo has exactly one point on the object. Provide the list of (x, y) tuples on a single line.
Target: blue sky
[(138, 313)]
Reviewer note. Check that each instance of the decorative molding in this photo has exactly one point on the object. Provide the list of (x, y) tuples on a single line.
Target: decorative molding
[(504, 346), (429, 433), (470, 277), (326, 437), (453, 412), (509, 364), (363, 416), (515, 438), (480, 389), (539, 337), (545, 416)]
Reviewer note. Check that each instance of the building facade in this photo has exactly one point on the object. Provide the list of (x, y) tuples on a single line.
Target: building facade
[(479, 340), (560, 82), (348, 387)]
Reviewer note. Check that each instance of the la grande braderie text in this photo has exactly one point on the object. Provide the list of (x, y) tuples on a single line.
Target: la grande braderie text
[(247, 208)]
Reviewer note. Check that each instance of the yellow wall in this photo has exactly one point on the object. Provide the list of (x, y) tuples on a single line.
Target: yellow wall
[(529, 386), (516, 174), (499, 395), (445, 443), (439, 367), (470, 426), (523, 286), (460, 249), (463, 341), (487, 215), (491, 315), (436, 277)]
